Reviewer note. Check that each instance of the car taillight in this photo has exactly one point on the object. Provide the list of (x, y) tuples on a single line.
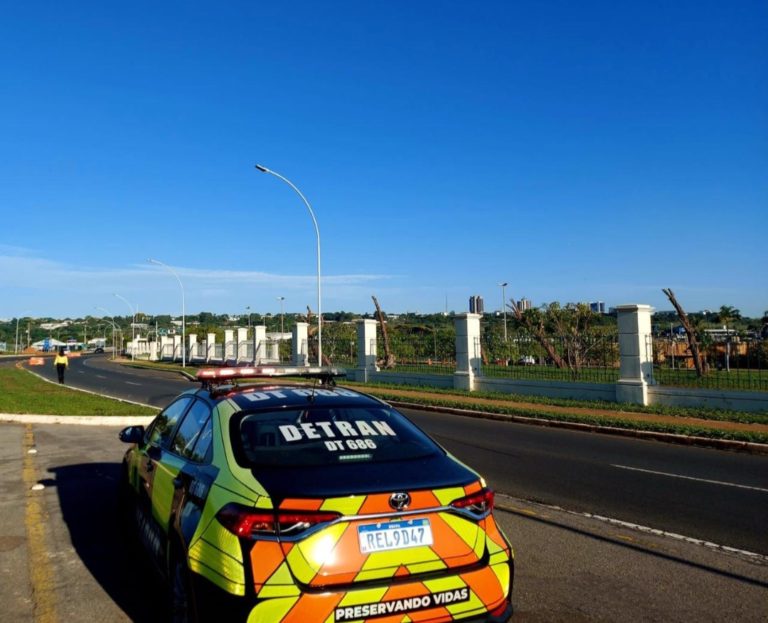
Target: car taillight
[(248, 522), (480, 503)]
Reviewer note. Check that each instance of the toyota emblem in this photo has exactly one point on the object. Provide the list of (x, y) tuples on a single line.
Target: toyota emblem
[(399, 501)]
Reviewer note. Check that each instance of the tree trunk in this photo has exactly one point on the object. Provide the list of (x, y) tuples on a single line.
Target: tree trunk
[(389, 358), (693, 343)]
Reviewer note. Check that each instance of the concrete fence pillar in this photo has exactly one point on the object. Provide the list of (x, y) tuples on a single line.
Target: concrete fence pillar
[(192, 341), (177, 346), (242, 343), (300, 345), (229, 339), (210, 346), (366, 348), (635, 353), (468, 358), (259, 343)]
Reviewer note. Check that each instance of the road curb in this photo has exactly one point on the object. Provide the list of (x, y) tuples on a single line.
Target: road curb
[(87, 420), (687, 440)]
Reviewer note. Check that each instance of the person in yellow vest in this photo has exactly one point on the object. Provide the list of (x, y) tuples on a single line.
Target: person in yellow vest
[(61, 362)]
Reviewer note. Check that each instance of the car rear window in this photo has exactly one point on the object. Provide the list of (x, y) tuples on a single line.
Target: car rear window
[(317, 436)]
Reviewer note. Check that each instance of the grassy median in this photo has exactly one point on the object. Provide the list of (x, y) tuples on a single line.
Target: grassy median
[(22, 392)]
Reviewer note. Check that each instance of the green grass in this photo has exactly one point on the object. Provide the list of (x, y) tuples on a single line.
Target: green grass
[(629, 423), (700, 413), (22, 392)]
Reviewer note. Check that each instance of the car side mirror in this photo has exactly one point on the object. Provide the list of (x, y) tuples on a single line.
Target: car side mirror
[(132, 434)]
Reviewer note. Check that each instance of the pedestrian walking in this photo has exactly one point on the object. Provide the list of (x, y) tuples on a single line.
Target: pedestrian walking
[(61, 362)]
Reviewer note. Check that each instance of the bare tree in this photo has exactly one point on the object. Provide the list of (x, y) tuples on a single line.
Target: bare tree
[(693, 343), (389, 358)]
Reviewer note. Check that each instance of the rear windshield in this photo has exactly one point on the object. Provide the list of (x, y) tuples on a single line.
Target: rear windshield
[(318, 436)]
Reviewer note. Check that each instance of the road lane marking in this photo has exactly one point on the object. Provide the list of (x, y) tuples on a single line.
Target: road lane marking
[(100, 376), (712, 482), (510, 508), (40, 570), (132, 383)]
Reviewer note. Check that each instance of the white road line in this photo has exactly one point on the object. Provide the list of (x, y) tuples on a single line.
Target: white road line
[(712, 482), (100, 376), (132, 383), (630, 526)]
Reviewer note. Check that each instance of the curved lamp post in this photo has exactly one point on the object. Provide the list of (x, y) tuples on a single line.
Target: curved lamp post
[(183, 311), (264, 169), (133, 325), (114, 327)]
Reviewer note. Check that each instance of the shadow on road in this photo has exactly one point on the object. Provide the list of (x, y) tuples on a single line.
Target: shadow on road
[(88, 498)]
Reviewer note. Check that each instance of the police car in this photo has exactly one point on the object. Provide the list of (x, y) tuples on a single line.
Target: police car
[(309, 503)]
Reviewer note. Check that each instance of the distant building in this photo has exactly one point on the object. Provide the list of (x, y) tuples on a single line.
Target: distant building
[(597, 306), (524, 304), (476, 305)]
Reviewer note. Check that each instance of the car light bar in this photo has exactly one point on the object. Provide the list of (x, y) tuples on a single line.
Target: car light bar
[(213, 375)]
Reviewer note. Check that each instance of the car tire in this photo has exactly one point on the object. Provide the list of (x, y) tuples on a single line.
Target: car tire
[(182, 597)]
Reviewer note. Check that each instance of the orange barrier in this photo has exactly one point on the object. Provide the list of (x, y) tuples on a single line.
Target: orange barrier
[(36, 361), (73, 353)]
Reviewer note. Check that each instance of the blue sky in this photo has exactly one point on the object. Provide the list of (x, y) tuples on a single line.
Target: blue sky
[(578, 151)]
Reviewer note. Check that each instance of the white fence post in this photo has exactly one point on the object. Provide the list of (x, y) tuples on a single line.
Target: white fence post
[(468, 355), (366, 349), (210, 347), (635, 353), (259, 343), (229, 340), (242, 343), (300, 345)]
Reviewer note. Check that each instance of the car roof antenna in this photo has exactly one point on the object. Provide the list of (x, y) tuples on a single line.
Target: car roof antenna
[(311, 397)]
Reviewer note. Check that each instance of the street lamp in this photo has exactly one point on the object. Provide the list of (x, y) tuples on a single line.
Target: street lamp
[(17, 330), (504, 307), (281, 299), (264, 169), (133, 325), (114, 327), (183, 312)]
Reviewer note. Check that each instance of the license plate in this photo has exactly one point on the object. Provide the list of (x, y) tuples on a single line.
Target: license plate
[(382, 537)]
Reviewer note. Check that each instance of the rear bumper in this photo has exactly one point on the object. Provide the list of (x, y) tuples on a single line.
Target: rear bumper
[(478, 597)]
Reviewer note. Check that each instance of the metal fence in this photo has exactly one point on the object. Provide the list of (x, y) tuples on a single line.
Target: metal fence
[(735, 363), (424, 351), (581, 358)]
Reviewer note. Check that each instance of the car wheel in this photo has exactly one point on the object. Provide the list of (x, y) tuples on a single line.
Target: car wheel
[(183, 608)]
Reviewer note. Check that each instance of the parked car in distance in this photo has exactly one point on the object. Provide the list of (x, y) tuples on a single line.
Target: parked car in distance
[(310, 503), (527, 360), (98, 349)]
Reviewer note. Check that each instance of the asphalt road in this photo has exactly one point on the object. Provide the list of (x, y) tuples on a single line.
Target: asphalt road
[(712, 495), (64, 557)]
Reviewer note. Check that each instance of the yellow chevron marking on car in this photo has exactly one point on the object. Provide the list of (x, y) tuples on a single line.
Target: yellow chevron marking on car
[(502, 573), (228, 585), (424, 567), (346, 506), (227, 568), (217, 536), (354, 598), (308, 557), (467, 531), (280, 584), (271, 610), (446, 496)]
